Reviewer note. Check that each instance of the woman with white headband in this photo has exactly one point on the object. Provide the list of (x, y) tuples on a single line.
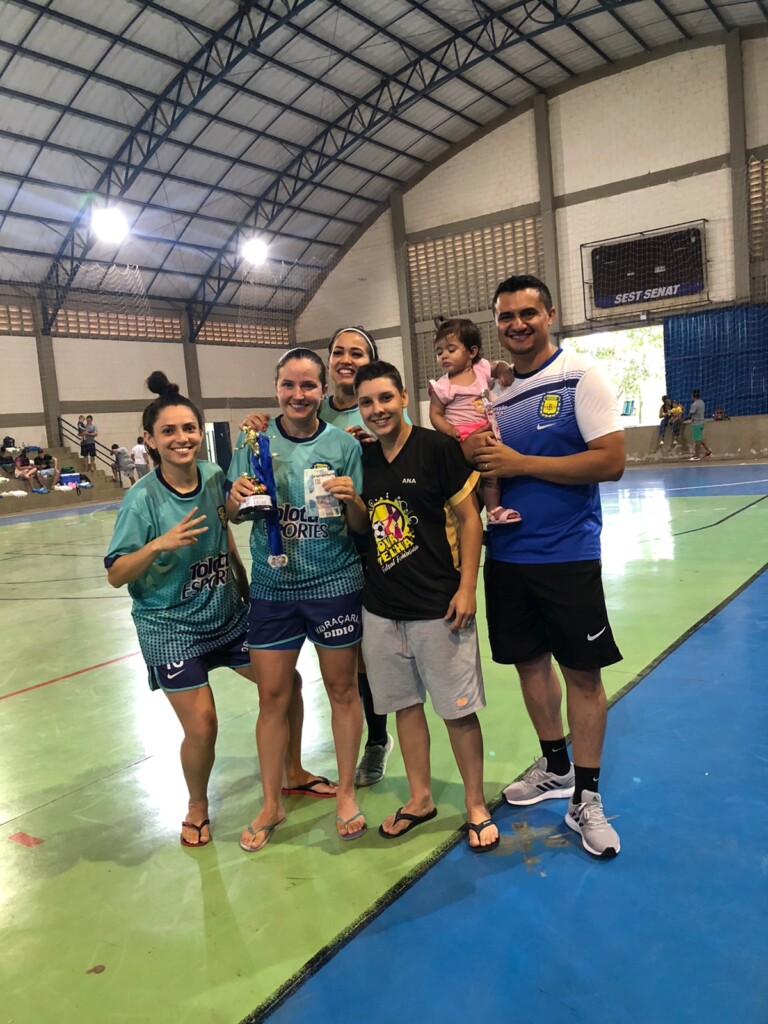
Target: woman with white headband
[(351, 348)]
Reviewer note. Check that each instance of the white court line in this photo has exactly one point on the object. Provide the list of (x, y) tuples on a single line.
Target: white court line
[(700, 487)]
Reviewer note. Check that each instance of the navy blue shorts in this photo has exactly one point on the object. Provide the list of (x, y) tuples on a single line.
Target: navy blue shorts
[(193, 673), (326, 622)]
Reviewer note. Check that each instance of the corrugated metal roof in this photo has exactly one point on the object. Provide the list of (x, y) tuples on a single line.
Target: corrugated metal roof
[(292, 119)]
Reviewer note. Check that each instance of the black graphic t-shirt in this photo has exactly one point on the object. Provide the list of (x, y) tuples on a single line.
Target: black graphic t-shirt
[(413, 560)]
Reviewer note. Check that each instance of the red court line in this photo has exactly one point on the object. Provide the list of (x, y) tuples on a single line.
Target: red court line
[(69, 675), (24, 840)]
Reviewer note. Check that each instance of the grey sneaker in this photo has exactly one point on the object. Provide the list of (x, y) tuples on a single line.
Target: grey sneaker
[(538, 784), (373, 764), (588, 819)]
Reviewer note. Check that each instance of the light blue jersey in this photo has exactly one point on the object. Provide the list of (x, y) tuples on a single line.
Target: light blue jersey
[(187, 603), (322, 559), (343, 418)]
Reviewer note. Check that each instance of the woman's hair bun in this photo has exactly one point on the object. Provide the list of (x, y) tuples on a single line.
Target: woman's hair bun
[(159, 384)]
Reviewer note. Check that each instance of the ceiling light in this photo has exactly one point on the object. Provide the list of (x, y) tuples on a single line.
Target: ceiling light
[(109, 224), (255, 251)]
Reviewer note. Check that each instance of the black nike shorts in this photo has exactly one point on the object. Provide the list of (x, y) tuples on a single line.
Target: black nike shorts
[(540, 609)]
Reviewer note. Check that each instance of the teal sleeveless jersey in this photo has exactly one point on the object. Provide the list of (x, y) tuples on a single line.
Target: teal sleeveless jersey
[(322, 558), (343, 418), (187, 603)]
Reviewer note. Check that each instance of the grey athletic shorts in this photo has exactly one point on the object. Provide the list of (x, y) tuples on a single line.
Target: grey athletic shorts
[(408, 660)]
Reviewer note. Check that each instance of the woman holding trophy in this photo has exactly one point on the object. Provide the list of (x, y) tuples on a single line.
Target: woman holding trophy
[(349, 349), (173, 547), (306, 579)]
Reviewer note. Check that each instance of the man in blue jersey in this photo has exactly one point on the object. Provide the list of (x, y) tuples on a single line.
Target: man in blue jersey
[(561, 435)]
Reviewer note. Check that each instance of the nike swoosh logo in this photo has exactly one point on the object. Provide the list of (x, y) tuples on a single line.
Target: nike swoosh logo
[(543, 426), (590, 637), (172, 675)]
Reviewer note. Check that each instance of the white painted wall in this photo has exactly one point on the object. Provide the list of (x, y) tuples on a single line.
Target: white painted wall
[(362, 289), (25, 435), (496, 173), (234, 417), (230, 372), (662, 114), (20, 391), (118, 427), (755, 57), (98, 369), (391, 351)]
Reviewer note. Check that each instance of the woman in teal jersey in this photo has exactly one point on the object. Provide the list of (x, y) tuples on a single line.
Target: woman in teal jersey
[(173, 547), (351, 348), (316, 596)]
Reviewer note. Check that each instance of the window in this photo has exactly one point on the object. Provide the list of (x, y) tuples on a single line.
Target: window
[(757, 189), (456, 275), (16, 320), (84, 323), (229, 332)]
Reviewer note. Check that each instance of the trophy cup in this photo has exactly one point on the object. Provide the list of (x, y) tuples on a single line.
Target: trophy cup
[(260, 504), (263, 503)]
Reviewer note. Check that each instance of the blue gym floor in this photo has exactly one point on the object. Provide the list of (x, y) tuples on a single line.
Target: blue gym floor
[(673, 930), (676, 928)]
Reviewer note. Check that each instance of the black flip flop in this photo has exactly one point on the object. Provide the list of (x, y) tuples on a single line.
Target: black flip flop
[(477, 828), (414, 820), (199, 828), (309, 789)]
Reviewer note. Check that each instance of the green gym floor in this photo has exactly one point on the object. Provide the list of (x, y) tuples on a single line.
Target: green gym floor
[(105, 917)]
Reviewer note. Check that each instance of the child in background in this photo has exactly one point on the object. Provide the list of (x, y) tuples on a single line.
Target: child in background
[(139, 457), (459, 401)]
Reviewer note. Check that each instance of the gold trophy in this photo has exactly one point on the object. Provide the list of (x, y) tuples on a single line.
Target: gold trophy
[(260, 504)]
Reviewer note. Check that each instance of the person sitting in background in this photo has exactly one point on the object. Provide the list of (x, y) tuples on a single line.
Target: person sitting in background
[(25, 471), (6, 462), (123, 464), (671, 415), (47, 469), (139, 456)]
